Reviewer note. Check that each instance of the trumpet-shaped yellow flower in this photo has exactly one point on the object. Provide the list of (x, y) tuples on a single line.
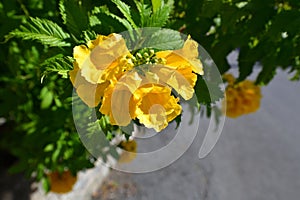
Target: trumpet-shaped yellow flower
[(182, 80), (241, 98), (101, 58), (155, 107), (98, 64), (89, 93), (181, 68)]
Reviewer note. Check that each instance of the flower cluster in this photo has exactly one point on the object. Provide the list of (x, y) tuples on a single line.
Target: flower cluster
[(241, 98), (135, 86)]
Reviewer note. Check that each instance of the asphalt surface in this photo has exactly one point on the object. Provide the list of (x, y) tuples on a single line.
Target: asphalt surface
[(256, 157)]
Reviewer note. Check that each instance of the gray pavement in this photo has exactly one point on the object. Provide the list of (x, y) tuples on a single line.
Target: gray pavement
[(256, 157)]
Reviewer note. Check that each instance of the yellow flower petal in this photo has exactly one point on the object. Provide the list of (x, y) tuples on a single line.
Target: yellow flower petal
[(117, 102), (89, 93), (155, 106), (101, 57), (93, 43), (116, 107), (80, 54), (182, 82), (185, 57)]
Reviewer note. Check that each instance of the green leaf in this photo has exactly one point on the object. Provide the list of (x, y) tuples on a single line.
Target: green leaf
[(55, 154), (89, 35), (125, 10), (144, 11), (47, 98), (178, 120), (103, 17), (74, 16), (156, 4), (128, 130), (159, 18), (207, 92), (245, 62), (266, 75), (124, 22), (42, 30), (164, 39), (46, 184), (59, 65), (49, 148)]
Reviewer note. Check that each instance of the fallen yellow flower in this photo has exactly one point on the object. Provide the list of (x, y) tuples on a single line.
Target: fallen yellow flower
[(61, 182), (129, 154)]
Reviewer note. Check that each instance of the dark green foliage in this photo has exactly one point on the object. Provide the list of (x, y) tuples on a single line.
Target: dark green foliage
[(263, 31)]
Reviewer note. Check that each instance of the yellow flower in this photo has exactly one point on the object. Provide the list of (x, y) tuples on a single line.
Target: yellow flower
[(98, 64), (89, 93), (61, 183), (180, 67), (102, 57), (241, 98), (182, 80), (155, 107), (129, 154)]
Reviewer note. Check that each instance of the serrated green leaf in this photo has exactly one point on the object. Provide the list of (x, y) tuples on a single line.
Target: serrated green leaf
[(125, 10), (100, 15), (74, 16), (159, 18), (59, 65), (124, 22), (94, 21), (144, 11), (164, 39), (42, 30), (89, 35), (105, 19)]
